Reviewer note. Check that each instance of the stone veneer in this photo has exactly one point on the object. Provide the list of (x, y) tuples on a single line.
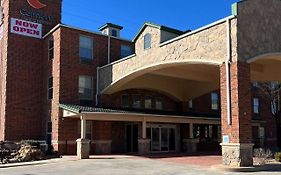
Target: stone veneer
[(206, 46)]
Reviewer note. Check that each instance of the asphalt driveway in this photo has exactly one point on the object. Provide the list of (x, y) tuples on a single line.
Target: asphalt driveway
[(129, 165)]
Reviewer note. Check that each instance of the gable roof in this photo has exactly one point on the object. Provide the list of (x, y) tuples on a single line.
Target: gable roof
[(161, 27)]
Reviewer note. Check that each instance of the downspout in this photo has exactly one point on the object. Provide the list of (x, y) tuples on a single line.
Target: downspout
[(108, 49), (97, 87), (227, 66)]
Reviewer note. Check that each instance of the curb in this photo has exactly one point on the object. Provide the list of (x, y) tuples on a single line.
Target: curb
[(40, 162), (266, 167)]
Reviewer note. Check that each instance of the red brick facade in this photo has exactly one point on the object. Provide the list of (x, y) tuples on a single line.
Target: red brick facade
[(22, 75), (25, 109)]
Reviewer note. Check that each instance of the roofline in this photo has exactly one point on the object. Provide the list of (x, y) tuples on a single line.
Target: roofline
[(161, 27), (83, 30), (223, 20), (111, 25), (153, 115), (64, 107), (77, 112)]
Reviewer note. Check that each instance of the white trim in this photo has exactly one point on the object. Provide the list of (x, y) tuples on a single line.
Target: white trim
[(118, 61), (108, 49), (227, 67), (153, 115), (273, 54), (151, 66), (97, 86), (82, 30), (198, 30)]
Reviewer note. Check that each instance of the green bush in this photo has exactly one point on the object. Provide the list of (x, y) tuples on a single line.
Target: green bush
[(278, 156)]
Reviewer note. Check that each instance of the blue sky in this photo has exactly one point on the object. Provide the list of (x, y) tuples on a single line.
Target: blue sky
[(131, 14)]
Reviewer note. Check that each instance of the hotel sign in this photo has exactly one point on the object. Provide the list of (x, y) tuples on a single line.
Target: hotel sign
[(36, 14), (26, 28)]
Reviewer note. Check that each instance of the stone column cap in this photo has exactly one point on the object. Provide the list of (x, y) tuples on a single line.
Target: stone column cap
[(243, 145), (83, 140), (144, 140)]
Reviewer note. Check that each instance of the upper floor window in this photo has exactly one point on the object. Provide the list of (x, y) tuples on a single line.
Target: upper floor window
[(114, 32), (215, 101), (190, 104), (51, 48), (86, 49), (148, 102), (126, 51), (125, 101), (256, 105), (85, 87), (50, 88), (136, 101), (158, 104), (147, 41)]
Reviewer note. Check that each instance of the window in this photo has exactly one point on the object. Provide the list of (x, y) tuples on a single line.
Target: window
[(126, 51), (148, 102), (51, 48), (50, 88), (136, 101), (275, 107), (125, 101), (86, 49), (147, 41), (114, 33), (158, 104), (256, 105), (85, 87), (190, 104), (215, 101)]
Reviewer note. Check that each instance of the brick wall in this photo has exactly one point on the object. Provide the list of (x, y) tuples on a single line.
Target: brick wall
[(21, 103), (66, 68), (241, 130)]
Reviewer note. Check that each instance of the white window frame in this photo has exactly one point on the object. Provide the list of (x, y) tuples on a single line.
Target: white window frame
[(147, 43), (92, 93), (158, 99), (92, 49), (133, 101), (51, 49), (256, 105), (215, 98), (145, 100)]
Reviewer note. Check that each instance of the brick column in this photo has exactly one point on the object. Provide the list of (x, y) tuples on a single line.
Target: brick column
[(237, 137)]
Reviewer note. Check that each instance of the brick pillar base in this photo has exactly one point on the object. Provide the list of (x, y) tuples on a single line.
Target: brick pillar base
[(144, 146), (83, 148), (237, 155), (190, 145)]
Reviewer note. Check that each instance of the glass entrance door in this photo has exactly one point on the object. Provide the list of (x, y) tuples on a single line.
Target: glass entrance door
[(163, 139)]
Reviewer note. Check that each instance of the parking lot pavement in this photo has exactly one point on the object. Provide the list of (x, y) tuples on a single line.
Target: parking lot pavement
[(115, 166)]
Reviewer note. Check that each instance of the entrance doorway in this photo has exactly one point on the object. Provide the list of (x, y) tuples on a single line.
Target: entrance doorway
[(132, 138), (163, 138)]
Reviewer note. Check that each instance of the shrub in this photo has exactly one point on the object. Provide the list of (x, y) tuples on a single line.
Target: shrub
[(261, 156), (278, 156)]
